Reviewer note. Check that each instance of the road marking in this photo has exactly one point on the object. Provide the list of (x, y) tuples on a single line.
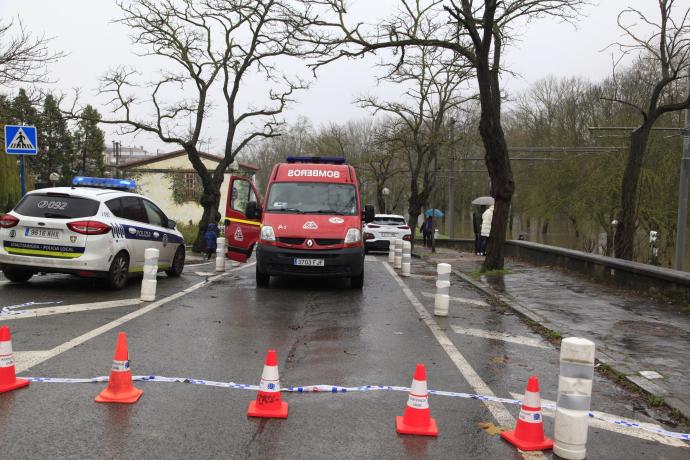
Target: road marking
[(505, 337), (196, 265), (204, 273), (620, 429), (120, 321), (651, 375), (62, 309), (29, 358), (479, 303), (424, 277)]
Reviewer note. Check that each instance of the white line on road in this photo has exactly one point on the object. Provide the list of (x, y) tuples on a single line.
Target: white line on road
[(62, 309), (620, 429), (479, 303), (120, 321), (504, 336)]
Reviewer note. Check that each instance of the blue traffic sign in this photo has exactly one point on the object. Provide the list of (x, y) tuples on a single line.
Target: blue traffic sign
[(20, 140)]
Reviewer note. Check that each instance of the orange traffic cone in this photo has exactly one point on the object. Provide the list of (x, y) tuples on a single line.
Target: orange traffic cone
[(8, 378), (268, 403), (417, 418), (120, 388), (529, 432)]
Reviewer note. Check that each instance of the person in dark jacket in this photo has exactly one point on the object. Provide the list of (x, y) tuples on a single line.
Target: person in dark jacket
[(477, 227), (427, 231), (210, 237)]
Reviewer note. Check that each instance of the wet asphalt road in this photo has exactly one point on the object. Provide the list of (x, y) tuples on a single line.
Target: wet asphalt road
[(325, 333)]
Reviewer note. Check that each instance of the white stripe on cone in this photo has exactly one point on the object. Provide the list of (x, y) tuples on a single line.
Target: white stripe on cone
[(530, 416), (270, 381), (6, 359), (120, 366), (532, 399), (419, 397)]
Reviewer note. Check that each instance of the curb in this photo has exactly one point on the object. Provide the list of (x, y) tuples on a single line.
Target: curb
[(638, 382)]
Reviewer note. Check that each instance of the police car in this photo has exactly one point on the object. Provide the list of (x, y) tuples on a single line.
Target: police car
[(96, 228)]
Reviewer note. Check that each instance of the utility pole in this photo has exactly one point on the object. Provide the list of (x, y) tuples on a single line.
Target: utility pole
[(681, 226), (450, 212)]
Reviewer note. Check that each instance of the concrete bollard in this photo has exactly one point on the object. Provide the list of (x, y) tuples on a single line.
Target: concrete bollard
[(148, 284), (220, 254), (398, 254), (574, 396), (391, 251), (406, 258), (442, 298)]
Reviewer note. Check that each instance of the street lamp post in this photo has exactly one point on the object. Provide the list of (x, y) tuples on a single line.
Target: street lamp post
[(450, 212), (385, 192)]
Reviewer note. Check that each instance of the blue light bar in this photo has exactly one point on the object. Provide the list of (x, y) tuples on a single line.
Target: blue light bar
[(320, 160), (104, 182)]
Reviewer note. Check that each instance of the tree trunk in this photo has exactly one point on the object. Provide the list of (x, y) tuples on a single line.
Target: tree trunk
[(414, 210), (624, 241), (210, 200)]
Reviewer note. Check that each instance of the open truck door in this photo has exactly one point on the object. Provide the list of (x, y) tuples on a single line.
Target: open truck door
[(242, 218)]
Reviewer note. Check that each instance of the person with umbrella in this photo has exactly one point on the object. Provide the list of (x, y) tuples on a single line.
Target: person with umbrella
[(427, 231), (482, 203), (487, 217)]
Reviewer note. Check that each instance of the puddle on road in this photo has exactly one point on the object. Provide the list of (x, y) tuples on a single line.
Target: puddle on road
[(650, 329)]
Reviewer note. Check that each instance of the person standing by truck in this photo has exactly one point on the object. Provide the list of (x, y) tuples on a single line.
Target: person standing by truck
[(210, 237)]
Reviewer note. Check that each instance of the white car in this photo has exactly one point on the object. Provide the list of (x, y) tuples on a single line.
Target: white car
[(385, 227), (94, 229)]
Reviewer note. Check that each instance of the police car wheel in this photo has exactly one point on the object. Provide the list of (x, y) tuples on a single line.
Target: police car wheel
[(17, 275), (177, 265), (119, 272)]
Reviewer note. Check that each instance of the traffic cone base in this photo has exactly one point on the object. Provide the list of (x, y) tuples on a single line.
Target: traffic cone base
[(403, 428), (255, 411), (129, 397), (18, 383), (521, 444)]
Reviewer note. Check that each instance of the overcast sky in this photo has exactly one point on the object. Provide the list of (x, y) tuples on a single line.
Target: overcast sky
[(83, 28)]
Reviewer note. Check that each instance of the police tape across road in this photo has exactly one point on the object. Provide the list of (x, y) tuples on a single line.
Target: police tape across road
[(334, 389)]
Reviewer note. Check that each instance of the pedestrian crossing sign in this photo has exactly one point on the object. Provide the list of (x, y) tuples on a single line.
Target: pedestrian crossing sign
[(20, 140)]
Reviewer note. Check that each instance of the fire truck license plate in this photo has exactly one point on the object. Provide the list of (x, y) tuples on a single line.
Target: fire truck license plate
[(308, 262)]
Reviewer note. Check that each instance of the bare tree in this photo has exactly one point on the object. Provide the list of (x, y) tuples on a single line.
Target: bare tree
[(418, 119), (208, 44), (477, 31), (24, 57), (666, 52)]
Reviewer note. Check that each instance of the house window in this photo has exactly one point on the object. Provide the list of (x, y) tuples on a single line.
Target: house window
[(192, 186)]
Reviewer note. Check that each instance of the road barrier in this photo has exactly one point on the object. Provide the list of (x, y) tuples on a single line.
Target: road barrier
[(574, 396), (406, 258), (148, 284), (391, 251), (417, 417), (8, 377), (398, 254), (220, 254), (120, 388), (442, 298), (529, 433), (268, 403)]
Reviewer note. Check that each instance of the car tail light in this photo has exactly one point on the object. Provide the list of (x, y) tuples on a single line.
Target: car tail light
[(373, 226), (404, 227), (8, 221), (369, 236), (407, 238), (89, 227)]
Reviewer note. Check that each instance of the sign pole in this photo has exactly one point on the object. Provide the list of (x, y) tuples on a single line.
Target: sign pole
[(21, 174)]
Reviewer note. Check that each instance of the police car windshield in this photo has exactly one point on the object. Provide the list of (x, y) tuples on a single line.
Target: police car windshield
[(56, 206), (312, 198)]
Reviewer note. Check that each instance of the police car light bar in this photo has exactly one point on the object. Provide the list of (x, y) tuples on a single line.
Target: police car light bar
[(320, 160), (104, 182)]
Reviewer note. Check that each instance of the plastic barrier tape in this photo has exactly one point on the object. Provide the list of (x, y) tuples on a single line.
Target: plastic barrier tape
[(338, 389), (10, 310)]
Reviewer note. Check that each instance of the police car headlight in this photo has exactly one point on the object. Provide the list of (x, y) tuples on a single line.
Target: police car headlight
[(267, 233), (353, 236)]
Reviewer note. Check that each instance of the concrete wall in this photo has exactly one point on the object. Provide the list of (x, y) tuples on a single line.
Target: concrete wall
[(655, 281)]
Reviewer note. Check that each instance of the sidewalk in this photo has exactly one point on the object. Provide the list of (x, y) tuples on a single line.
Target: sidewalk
[(633, 334)]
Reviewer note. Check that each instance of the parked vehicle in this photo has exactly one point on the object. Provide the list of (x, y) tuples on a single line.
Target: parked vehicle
[(310, 222), (385, 228), (96, 228)]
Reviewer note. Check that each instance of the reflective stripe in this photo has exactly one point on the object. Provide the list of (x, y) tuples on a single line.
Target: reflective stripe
[(120, 366), (532, 399), (577, 370), (530, 416), (418, 402), (574, 402), (243, 221), (36, 252), (6, 359), (269, 386)]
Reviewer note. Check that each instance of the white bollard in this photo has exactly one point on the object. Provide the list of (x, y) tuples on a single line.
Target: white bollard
[(148, 284), (406, 258), (391, 251), (398, 254), (220, 254), (442, 298), (574, 397)]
